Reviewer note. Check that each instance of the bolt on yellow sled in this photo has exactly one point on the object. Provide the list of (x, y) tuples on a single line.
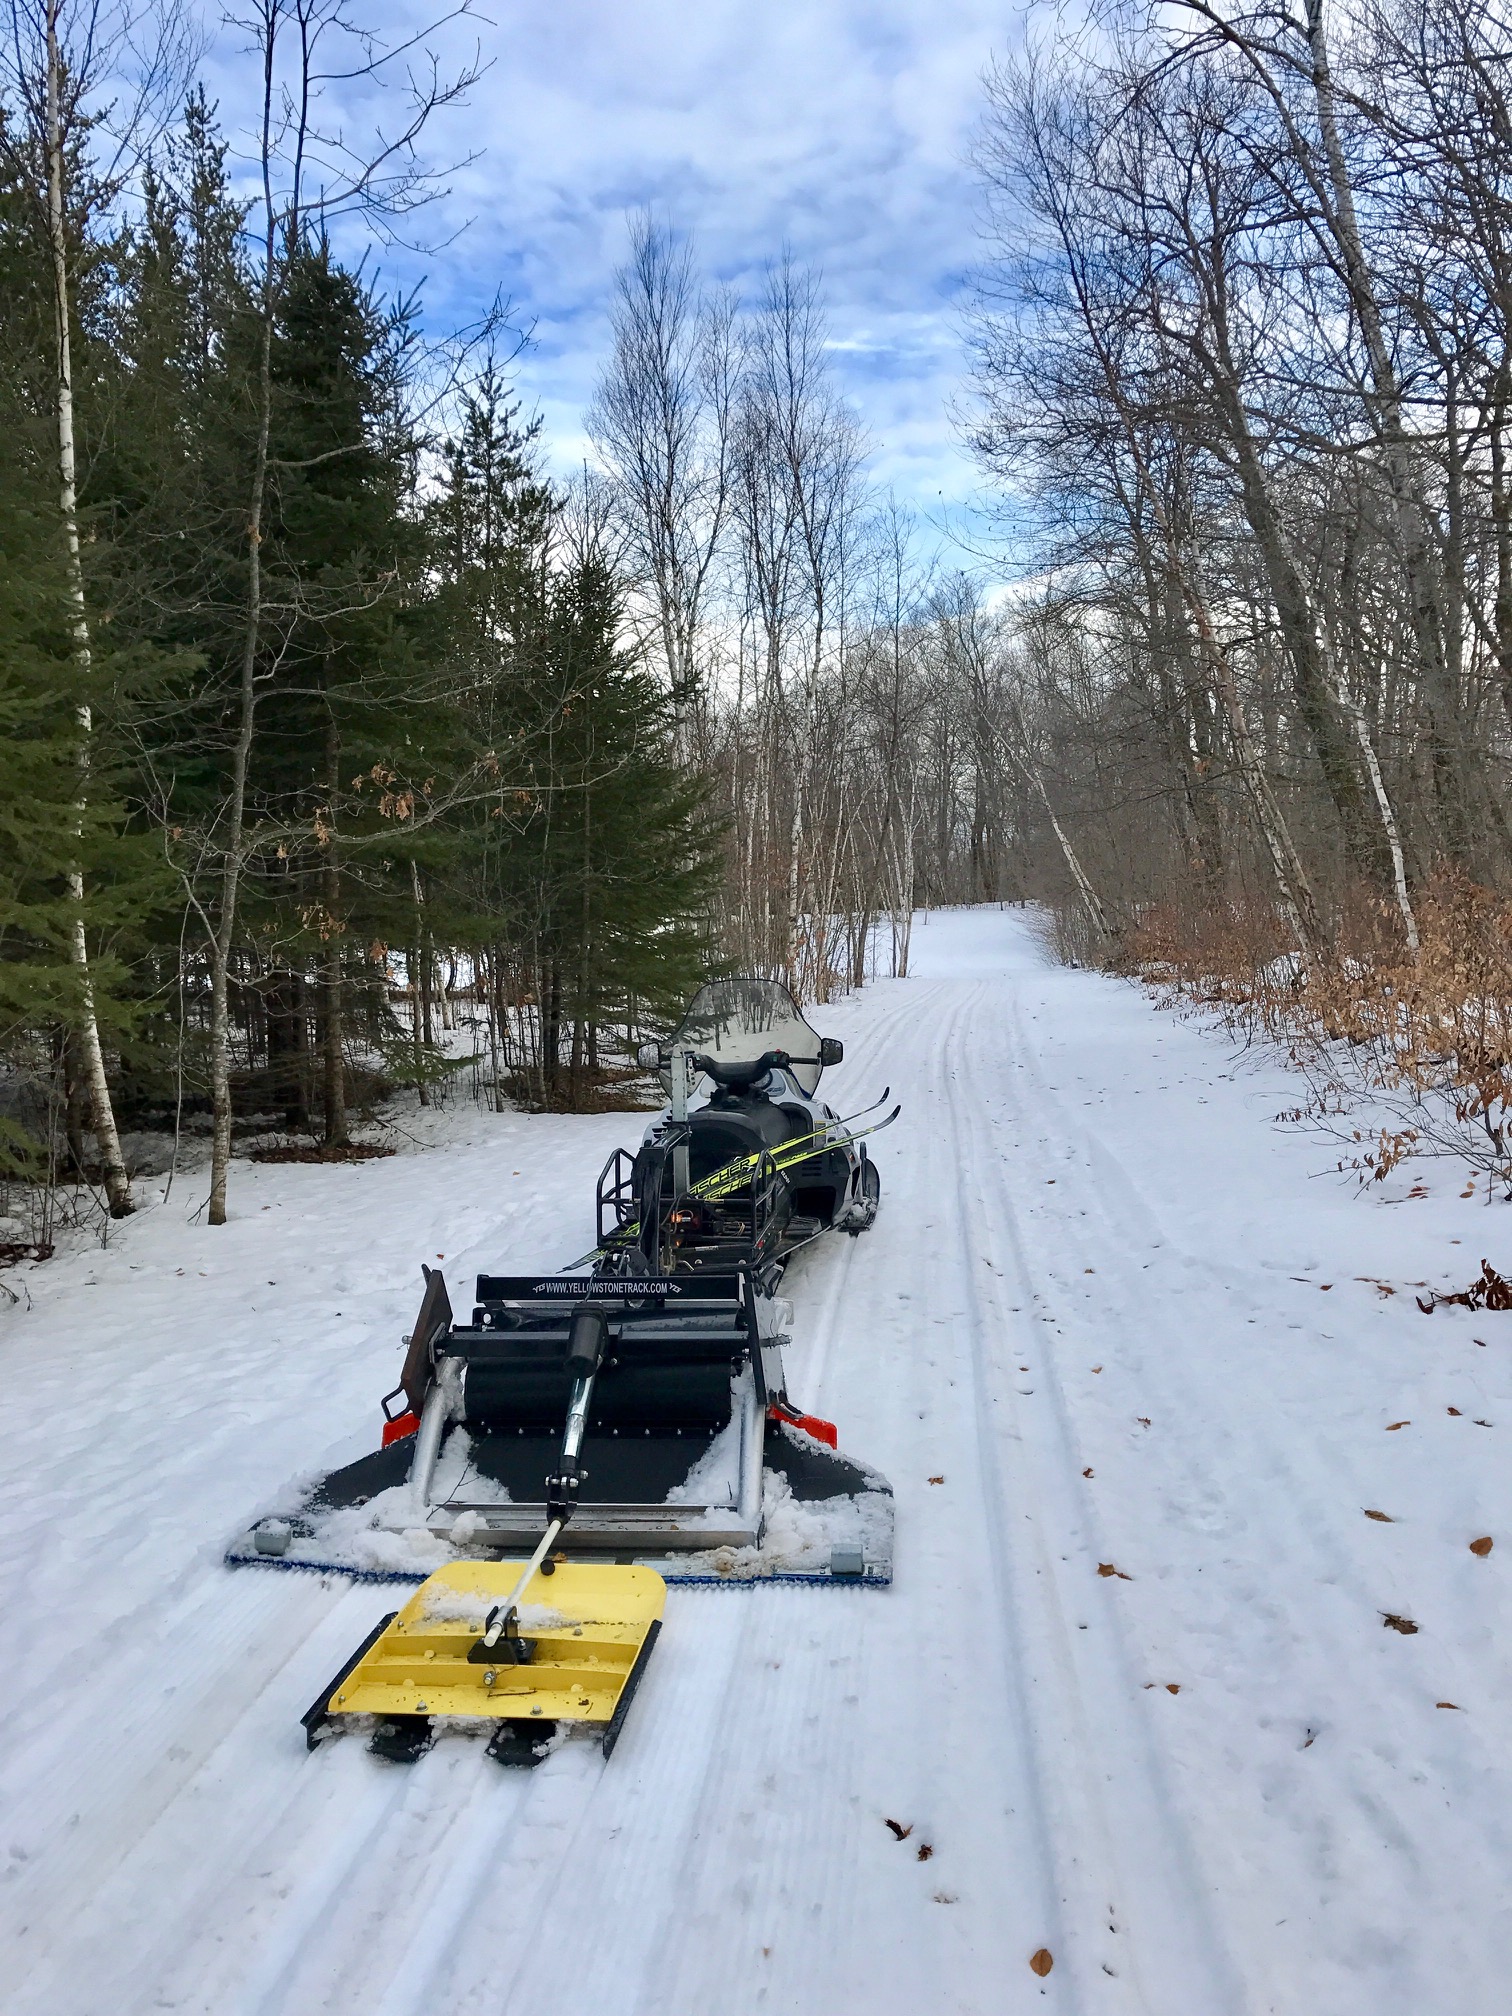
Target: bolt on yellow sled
[(496, 1642)]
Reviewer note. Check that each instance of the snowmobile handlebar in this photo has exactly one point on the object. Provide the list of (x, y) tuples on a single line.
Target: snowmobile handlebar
[(831, 1050), (658, 1056), (733, 1074)]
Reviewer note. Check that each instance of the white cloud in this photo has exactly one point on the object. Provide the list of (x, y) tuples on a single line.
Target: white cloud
[(841, 129)]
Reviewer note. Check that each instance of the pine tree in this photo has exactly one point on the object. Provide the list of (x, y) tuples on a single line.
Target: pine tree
[(594, 858), (626, 849), (344, 553)]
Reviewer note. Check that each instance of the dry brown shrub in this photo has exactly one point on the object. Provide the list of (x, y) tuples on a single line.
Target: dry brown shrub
[(1211, 955), (1427, 1037)]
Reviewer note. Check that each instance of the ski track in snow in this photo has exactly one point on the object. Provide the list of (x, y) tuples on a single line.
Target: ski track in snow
[(1091, 1307)]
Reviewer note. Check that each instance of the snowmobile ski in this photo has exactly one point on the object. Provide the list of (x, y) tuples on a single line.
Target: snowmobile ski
[(733, 1174), (723, 1181)]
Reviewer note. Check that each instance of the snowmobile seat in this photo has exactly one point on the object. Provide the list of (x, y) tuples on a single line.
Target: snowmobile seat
[(724, 1133)]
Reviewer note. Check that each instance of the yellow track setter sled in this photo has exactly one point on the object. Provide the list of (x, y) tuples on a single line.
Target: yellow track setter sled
[(467, 1644), (487, 1643)]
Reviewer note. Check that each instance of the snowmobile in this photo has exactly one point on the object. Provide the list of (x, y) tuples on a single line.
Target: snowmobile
[(628, 1418)]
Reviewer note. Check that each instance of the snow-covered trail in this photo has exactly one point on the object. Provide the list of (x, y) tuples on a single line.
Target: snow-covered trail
[(1130, 1372)]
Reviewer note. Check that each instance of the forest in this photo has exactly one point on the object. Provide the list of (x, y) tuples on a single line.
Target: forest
[(344, 747)]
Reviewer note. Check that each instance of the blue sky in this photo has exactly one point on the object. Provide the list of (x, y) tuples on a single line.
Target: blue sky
[(840, 127)]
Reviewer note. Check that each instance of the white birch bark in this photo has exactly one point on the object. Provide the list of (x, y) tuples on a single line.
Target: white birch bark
[(101, 1108), (1091, 901)]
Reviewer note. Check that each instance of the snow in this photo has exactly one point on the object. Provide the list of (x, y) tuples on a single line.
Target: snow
[(715, 1478), (1124, 1349)]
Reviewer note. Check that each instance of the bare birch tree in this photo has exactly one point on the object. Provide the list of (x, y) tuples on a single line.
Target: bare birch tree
[(661, 421), (60, 60)]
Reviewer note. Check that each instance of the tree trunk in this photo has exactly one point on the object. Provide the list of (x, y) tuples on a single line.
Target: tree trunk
[(1102, 930), (417, 1037), (495, 993), (1314, 677), (575, 1064), (288, 1047), (1448, 754), (420, 1006), (1297, 901), (551, 1031), (223, 936), (1501, 523), (75, 1104), (91, 1055), (1388, 816), (334, 1087)]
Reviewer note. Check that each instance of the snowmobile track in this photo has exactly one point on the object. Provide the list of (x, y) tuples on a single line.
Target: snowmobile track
[(1141, 1914)]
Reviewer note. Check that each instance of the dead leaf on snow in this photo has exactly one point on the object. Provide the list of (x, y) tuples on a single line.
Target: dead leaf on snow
[(1481, 1546), (1489, 1290), (1451, 1410), (1107, 1568), (1087, 1472), (1403, 1624), (1450, 1704), (1392, 1426), (937, 1480), (899, 1831), (924, 1851), (1042, 1962), (1384, 1517)]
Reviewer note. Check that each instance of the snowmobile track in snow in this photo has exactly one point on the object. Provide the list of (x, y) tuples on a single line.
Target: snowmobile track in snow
[(1145, 1718)]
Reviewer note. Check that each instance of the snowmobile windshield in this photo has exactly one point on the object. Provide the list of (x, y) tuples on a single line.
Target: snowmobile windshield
[(736, 1021)]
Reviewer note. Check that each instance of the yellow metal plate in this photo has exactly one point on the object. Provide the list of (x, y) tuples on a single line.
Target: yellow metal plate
[(589, 1624)]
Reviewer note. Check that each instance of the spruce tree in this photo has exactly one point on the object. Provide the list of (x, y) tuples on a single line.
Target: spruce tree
[(344, 554), (594, 858)]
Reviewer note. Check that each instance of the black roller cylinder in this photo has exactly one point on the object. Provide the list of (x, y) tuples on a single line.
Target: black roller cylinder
[(586, 1342), (585, 1353)]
